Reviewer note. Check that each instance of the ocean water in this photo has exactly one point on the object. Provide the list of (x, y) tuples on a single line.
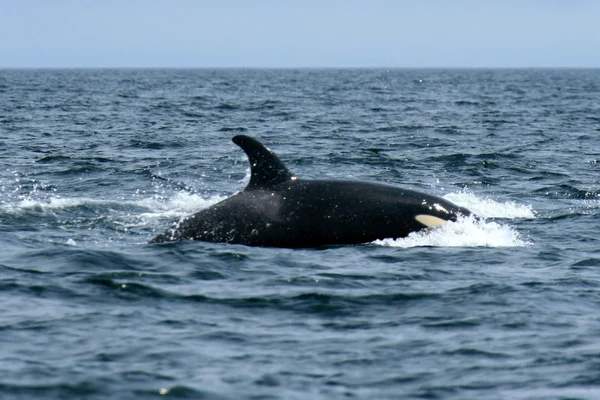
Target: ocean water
[(94, 163)]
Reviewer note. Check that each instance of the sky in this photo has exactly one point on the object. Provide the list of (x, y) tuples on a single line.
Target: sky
[(299, 34)]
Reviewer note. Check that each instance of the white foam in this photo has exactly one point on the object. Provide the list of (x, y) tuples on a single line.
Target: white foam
[(181, 204), (466, 232), (55, 202), (246, 179), (471, 231), (488, 208)]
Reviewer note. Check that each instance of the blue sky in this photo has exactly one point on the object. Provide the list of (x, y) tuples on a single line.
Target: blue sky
[(308, 33)]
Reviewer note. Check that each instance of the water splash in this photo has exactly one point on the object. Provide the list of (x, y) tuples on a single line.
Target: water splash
[(488, 208), (180, 205), (471, 231), (466, 232)]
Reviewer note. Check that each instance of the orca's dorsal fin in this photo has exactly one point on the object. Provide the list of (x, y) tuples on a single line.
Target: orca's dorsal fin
[(266, 169)]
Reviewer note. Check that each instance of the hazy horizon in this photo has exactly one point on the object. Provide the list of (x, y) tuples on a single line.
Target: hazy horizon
[(311, 34)]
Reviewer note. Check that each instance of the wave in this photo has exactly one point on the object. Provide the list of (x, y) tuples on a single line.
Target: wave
[(182, 203), (472, 231), (488, 208), (84, 221), (466, 232)]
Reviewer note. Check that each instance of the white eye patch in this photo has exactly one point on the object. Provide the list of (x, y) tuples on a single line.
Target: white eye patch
[(429, 220)]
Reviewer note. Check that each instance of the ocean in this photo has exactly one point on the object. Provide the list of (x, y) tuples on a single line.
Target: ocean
[(95, 163)]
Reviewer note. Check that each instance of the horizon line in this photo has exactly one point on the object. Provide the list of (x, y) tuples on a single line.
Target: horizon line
[(294, 67)]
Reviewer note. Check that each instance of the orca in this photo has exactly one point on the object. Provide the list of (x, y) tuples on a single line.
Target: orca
[(278, 209)]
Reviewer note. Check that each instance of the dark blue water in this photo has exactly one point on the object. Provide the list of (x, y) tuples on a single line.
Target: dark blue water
[(94, 163)]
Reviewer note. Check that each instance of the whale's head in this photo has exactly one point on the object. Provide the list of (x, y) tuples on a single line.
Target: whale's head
[(437, 211)]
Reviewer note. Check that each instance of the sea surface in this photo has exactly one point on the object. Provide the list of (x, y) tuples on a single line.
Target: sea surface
[(94, 163)]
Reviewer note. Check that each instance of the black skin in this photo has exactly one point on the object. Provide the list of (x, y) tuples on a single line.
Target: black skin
[(279, 210)]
